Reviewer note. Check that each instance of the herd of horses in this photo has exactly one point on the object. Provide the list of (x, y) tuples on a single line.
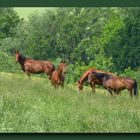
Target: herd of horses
[(111, 82)]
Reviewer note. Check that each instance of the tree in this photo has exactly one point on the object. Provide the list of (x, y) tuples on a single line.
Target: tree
[(8, 21), (124, 46)]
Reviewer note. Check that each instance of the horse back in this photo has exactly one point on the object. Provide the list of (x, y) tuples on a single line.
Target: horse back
[(39, 66), (32, 66), (116, 83), (129, 81), (108, 73)]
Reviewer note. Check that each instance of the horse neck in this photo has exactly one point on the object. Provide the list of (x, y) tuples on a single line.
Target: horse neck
[(60, 72), (21, 62), (83, 78)]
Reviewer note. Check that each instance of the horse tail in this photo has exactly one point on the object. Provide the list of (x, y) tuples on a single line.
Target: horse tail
[(135, 88)]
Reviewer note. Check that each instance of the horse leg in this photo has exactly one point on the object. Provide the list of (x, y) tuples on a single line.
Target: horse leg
[(28, 74), (130, 93), (62, 85), (116, 92), (110, 91), (49, 77), (93, 87), (53, 84)]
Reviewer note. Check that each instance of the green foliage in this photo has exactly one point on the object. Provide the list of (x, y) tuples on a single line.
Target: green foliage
[(102, 62), (129, 72), (8, 21), (135, 74), (7, 63), (124, 48), (105, 38)]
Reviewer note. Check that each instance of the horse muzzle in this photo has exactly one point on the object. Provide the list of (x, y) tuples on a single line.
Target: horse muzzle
[(65, 72)]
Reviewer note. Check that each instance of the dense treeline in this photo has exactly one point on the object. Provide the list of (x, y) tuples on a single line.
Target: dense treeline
[(105, 38)]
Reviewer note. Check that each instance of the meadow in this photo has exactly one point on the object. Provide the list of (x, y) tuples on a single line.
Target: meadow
[(35, 106)]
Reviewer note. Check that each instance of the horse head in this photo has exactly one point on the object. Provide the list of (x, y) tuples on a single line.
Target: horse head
[(17, 55), (62, 61), (62, 66), (79, 85)]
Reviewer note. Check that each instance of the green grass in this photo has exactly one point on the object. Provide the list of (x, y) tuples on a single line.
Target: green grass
[(35, 106)]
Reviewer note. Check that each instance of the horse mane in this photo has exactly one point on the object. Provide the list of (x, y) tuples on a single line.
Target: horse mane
[(102, 75), (62, 61), (22, 57)]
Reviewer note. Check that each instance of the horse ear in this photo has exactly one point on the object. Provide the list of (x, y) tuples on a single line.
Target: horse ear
[(78, 82), (62, 61), (15, 51)]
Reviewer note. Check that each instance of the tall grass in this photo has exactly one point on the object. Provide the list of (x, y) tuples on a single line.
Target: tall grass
[(35, 106)]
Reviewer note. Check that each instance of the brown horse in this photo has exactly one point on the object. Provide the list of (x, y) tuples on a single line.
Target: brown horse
[(115, 83), (84, 78), (58, 76), (34, 66)]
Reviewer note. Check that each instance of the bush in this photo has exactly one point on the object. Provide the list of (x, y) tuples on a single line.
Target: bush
[(7, 63), (135, 74)]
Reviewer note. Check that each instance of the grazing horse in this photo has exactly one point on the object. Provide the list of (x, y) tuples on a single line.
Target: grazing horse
[(115, 83), (34, 66), (84, 78), (58, 76)]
